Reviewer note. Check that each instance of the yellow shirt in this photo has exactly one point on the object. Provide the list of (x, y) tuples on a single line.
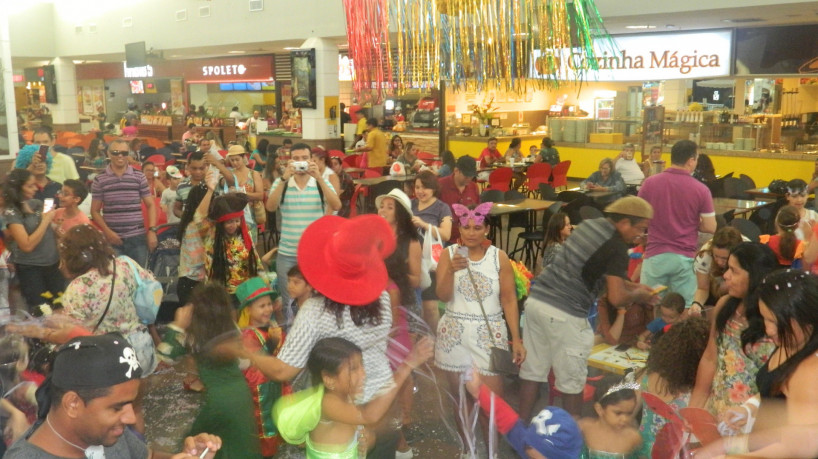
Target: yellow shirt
[(377, 142), (361, 126)]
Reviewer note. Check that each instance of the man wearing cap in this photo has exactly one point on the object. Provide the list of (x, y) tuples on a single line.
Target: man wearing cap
[(459, 188), (302, 196), (86, 406), (684, 207), (117, 195), (168, 199), (557, 334)]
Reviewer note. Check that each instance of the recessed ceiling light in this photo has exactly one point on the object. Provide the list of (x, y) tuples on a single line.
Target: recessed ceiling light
[(236, 52), (290, 48), (640, 27)]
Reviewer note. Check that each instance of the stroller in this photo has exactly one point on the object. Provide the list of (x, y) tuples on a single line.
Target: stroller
[(164, 264)]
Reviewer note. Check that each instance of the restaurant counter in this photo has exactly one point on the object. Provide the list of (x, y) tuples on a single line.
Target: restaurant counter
[(473, 145), (762, 167)]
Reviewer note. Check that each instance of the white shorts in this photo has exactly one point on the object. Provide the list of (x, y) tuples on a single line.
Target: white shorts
[(463, 342), (556, 340)]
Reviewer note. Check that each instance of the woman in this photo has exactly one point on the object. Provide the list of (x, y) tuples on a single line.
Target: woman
[(548, 154), (347, 185), (246, 181), (403, 267), (156, 186), (705, 172), (29, 158), (556, 232), (272, 169), (350, 273), (605, 179), (736, 348), (95, 156), (710, 265), (476, 281), (514, 152), (446, 169), (321, 158), (31, 239), (787, 301), (395, 147), (409, 158), (654, 164), (429, 212), (260, 155)]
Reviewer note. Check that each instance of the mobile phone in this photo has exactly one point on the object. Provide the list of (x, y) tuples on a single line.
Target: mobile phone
[(463, 251), (43, 152), (623, 347), (48, 204)]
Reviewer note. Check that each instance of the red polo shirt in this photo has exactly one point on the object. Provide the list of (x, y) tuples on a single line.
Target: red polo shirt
[(451, 195)]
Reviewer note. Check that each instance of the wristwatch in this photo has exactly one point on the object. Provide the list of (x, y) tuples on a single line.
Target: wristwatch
[(152, 228)]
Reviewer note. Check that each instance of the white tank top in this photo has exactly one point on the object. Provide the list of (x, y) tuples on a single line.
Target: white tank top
[(486, 274)]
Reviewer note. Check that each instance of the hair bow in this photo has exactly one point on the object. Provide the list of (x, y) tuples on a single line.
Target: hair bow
[(478, 214)]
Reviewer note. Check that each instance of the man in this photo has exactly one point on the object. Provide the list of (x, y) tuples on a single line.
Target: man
[(360, 129), (195, 170), (121, 190), (62, 165), (683, 207), (375, 147), (101, 117), (490, 154), (252, 130), (235, 114), (557, 334), (302, 196), (87, 407), (345, 117), (459, 188), (284, 150), (628, 168)]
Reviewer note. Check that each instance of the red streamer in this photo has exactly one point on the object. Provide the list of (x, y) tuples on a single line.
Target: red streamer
[(369, 48)]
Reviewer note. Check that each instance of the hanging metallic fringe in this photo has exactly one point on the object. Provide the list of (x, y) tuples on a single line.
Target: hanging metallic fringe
[(479, 45), (369, 46)]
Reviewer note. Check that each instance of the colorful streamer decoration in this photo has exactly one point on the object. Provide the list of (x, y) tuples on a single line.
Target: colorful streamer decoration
[(479, 45), (522, 278), (369, 46)]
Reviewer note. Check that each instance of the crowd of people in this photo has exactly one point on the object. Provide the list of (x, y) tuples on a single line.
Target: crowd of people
[(367, 304)]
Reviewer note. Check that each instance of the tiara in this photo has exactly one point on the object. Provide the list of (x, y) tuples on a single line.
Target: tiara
[(621, 386)]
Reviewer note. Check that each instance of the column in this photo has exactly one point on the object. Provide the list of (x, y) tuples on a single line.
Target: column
[(8, 111), (315, 123), (65, 113)]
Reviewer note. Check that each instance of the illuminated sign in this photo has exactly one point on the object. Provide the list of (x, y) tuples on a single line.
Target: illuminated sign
[(647, 57), (137, 72), (222, 70)]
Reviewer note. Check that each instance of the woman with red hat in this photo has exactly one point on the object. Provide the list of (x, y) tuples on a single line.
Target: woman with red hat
[(349, 271)]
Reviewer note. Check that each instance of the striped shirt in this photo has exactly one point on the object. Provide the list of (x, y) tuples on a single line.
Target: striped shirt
[(121, 198), (299, 209)]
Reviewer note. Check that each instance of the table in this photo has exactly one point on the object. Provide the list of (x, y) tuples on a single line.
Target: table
[(763, 193), (738, 206), (519, 205), (357, 171), (531, 206), (376, 180), (606, 358)]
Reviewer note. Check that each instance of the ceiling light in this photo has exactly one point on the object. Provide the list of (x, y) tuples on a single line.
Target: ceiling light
[(236, 52), (742, 20), (640, 27), (290, 48)]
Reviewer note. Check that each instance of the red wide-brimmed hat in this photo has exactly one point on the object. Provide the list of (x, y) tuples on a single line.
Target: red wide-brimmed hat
[(343, 259)]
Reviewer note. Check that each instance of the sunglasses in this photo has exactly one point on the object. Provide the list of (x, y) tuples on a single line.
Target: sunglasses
[(119, 152)]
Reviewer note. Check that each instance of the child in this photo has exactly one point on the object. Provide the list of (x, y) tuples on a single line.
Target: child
[(69, 215), (325, 416), (612, 433), (168, 199), (260, 333), (670, 373), (300, 291), (797, 197), (552, 433), (670, 312), (205, 330), (787, 247)]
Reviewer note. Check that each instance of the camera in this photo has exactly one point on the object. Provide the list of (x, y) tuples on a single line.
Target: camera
[(301, 166)]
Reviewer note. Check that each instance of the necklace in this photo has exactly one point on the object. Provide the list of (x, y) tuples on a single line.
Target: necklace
[(48, 421)]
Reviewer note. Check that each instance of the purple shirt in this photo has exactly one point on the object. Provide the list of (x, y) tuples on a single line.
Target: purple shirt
[(121, 200), (679, 201)]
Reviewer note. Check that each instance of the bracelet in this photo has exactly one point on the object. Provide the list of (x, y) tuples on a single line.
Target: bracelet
[(701, 306)]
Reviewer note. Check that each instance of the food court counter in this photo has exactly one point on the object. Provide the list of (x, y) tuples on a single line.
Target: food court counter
[(473, 145), (763, 167)]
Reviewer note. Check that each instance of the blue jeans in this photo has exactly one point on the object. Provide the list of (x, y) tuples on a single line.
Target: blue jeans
[(283, 264), (135, 247)]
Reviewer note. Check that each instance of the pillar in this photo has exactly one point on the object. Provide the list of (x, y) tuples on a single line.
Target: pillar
[(315, 123), (8, 110), (65, 113)]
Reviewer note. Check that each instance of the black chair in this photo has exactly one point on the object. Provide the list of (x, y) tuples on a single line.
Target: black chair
[(515, 220), (735, 188), (492, 196), (746, 179), (547, 192), (496, 222), (724, 219), (749, 229), (533, 241)]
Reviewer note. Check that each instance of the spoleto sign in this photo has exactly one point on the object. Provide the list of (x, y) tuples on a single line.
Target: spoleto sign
[(649, 57), (218, 70)]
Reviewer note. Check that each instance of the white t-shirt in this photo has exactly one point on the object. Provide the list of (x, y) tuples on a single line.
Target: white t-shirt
[(167, 201), (810, 217), (630, 171)]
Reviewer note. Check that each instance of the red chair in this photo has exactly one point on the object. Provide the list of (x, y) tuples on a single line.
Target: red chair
[(353, 201), (537, 173), (559, 175), (351, 161), (373, 172), (500, 179), (426, 157), (587, 393), (157, 160)]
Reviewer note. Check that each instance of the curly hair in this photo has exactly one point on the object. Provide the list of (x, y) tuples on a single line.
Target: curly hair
[(26, 155), (676, 354), (212, 317), (13, 188), (369, 314), (84, 248)]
